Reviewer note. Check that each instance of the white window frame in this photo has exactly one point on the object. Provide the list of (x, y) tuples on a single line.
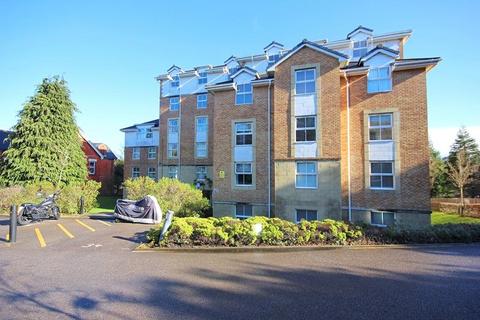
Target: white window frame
[(243, 173), (175, 81), (273, 58), (135, 153), (359, 48), (243, 215), (149, 134), (202, 77), (92, 164), (135, 173), (172, 146), (243, 132), (174, 104), (152, 153), (149, 173), (202, 101), (380, 126), (201, 173), (307, 211), (172, 150), (392, 174), (242, 92), (306, 128), (305, 81), (372, 79), (297, 174), (383, 218), (201, 143), (173, 172)]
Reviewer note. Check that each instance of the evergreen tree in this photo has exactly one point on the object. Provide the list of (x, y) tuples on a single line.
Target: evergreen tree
[(439, 181), (464, 141), (45, 144)]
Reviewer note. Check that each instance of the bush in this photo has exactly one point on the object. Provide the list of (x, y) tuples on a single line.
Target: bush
[(68, 200), (182, 198)]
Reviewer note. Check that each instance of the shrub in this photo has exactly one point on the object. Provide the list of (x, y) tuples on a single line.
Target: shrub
[(182, 198)]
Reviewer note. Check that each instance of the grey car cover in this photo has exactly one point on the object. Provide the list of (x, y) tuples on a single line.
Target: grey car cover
[(145, 210)]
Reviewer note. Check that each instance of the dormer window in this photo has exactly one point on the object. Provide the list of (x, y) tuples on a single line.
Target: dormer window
[(360, 48), (202, 77), (273, 58), (379, 80), (176, 81), (244, 94)]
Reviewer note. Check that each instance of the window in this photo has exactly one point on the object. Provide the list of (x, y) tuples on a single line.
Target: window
[(305, 81), (360, 48), (309, 215), (144, 133), (174, 103), (92, 163), (172, 150), (201, 149), (135, 153), (135, 172), (152, 152), (380, 127), (305, 130), (244, 94), (172, 145), (243, 133), (152, 173), (202, 77), (202, 100), (306, 177), (201, 128), (176, 81), (201, 172), (149, 134), (243, 210), (173, 172), (379, 80), (382, 219), (172, 125), (243, 173), (381, 175), (273, 58)]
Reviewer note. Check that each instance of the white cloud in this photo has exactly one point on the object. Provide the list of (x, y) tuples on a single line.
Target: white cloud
[(443, 138)]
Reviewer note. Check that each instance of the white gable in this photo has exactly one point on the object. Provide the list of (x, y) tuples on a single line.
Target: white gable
[(379, 60), (243, 77)]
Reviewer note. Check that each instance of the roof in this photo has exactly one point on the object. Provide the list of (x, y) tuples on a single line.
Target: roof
[(109, 155), (246, 69), (273, 43), (387, 51), (154, 122), (4, 144), (360, 27)]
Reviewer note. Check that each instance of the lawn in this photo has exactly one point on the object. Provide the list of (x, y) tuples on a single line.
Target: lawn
[(105, 204), (442, 218)]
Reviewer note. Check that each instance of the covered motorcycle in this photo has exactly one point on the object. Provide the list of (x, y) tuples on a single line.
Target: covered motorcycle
[(145, 210)]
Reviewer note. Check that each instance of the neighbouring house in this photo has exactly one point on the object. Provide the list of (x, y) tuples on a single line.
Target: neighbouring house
[(100, 164), (326, 129), (3, 142)]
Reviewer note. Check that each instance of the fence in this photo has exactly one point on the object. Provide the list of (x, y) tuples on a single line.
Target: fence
[(452, 205)]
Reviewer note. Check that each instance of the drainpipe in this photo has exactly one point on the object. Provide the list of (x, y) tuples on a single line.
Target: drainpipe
[(348, 151), (159, 150), (179, 171), (269, 169)]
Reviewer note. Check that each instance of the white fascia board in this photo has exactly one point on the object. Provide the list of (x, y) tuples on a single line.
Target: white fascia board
[(220, 87), (261, 82), (255, 74), (355, 71), (405, 65), (380, 51), (258, 57), (398, 35)]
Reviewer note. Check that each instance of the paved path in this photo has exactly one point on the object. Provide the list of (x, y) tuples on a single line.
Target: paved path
[(67, 279)]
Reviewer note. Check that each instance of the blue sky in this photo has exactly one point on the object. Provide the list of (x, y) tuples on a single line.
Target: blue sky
[(110, 51)]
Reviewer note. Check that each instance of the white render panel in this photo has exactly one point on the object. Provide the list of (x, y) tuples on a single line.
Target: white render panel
[(379, 60), (243, 153), (243, 77), (306, 150), (189, 85), (305, 105), (381, 151), (132, 139)]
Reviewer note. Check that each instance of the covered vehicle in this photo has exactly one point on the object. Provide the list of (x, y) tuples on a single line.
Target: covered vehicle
[(145, 210)]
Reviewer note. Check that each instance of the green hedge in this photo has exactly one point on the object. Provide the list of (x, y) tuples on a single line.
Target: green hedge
[(234, 232), (182, 198), (68, 200)]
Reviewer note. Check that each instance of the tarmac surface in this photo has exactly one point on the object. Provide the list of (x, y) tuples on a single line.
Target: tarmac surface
[(97, 275)]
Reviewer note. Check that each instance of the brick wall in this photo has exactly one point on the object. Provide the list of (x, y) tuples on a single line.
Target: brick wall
[(143, 163)]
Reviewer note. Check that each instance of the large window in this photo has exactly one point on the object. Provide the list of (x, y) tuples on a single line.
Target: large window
[(201, 128), (306, 177), (174, 103), (379, 80), (243, 210), (201, 172), (382, 219), (305, 81), (152, 153), (381, 175), (172, 150), (172, 145), (202, 77), (176, 81), (144, 133), (92, 164), (136, 153), (173, 172), (244, 94), (135, 172), (304, 214), (152, 173), (202, 101), (305, 129), (380, 126), (243, 173), (360, 48), (243, 133)]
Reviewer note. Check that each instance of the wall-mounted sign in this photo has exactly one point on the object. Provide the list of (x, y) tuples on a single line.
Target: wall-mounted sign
[(221, 174)]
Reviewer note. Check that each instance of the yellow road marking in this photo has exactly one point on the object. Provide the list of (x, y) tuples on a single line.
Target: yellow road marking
[(84, 225), (8, 236), (105, 223), (65, 230), (40, 238)]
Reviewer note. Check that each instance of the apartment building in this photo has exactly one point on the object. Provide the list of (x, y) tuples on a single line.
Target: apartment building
[(326, 129)]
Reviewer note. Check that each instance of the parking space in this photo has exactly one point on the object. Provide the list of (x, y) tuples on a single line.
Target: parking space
[(67, 232)]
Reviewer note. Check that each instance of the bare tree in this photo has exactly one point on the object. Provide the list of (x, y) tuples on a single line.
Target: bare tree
[(461, 174)]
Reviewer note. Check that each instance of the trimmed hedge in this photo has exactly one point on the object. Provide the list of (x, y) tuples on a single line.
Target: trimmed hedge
[(182, 198), (68, 200)]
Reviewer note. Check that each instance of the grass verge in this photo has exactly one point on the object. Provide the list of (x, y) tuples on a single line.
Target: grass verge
[(444, 218), (105, 204)]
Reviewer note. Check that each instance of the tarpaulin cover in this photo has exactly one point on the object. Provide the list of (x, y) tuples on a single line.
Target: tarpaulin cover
[(145, 210)]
